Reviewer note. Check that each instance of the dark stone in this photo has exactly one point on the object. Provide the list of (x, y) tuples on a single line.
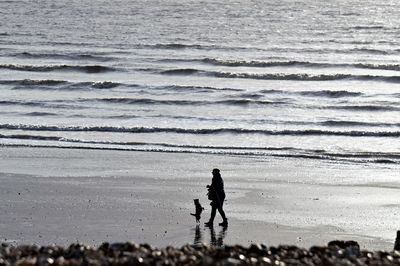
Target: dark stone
[(343, 244), (397, 241)]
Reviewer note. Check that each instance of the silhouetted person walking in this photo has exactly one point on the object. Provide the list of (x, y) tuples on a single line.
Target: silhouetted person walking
[(216, 194)]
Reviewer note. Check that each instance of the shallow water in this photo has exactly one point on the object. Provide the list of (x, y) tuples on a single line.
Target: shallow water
[(277, 78)]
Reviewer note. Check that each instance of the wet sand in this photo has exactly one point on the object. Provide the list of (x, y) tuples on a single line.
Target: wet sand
[(61, 196)]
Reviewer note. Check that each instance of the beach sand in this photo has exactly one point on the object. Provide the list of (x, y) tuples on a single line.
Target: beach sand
[(60, 196)]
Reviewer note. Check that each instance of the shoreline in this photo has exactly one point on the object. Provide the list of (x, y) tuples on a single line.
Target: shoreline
[(60, 196)]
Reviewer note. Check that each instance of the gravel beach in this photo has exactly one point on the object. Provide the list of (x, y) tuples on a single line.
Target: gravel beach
[(335, 253)]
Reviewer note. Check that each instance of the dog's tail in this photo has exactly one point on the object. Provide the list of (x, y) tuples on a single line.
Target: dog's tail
[(193, 214)]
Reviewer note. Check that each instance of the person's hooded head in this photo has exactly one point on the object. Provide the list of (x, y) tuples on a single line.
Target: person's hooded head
[(215, 172)]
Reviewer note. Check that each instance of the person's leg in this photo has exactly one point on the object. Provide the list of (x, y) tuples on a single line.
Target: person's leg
[(221, 211), (213, 212)]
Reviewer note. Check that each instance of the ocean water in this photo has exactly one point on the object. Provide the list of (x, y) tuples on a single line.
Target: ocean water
[(306, 79)]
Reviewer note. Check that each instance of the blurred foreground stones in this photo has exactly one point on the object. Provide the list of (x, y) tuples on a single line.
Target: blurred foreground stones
[(336, 253)]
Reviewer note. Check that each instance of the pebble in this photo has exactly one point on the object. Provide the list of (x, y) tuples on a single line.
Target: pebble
[(335, 253)]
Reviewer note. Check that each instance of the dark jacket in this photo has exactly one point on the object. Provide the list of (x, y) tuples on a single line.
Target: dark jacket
[(216, 191)]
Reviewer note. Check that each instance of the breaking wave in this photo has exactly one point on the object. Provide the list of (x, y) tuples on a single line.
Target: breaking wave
[(288, 152), (201, 131), (306, 77), (105, 85), (281, 76), (243, 63)]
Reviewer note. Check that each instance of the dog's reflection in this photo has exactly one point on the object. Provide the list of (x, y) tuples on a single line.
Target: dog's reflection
[(215, 240), (198, 238)]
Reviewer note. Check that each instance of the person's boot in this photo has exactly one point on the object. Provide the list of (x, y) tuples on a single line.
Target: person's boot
[(209, 223), (224, 223)]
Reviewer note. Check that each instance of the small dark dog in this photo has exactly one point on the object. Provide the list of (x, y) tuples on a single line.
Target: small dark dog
[(199, 209)]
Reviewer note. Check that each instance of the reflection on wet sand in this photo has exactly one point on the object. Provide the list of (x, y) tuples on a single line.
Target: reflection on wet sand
[(215, 240), (198, 238)]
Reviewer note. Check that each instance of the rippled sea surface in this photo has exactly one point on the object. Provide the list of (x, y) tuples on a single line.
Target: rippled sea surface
[(308, 79)]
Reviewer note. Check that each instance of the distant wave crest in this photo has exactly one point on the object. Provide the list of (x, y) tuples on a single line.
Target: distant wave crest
[(184, 71), (276, 49), (365, 107), (331, 93), (64, 56), (244, 63), (281, 76), (91, 69), (59, 84), (147, 101), (105, 85), (307, 77), (338, 123), (181, 46), (317, 93), (31, 82)]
